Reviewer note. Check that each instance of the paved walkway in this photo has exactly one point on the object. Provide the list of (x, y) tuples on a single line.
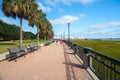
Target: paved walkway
[(53, 62)]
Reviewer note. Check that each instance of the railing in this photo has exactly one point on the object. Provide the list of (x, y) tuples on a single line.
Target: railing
[(104, 67)]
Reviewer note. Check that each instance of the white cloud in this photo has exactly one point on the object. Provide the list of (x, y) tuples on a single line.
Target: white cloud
[(84, 2), (105, 25), (82, 15), (8, 20), (64, 20), (42, 7), (51, 2), (54, 2), (105, 34), (99, 34), (77, 35)]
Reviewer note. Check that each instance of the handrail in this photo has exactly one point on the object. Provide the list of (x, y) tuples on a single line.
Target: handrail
[(103, 66), (105, 56)]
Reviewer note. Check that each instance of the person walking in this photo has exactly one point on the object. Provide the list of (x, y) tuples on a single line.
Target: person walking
[(56, 41), (61, 41)]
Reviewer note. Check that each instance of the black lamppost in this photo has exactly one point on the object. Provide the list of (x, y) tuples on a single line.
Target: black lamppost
[(68, 32)]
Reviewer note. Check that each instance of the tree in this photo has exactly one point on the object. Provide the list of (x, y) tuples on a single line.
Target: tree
[(23, 9), (37, 21), (8, 8), (47, 31), (12, 32), (26, 9), (28, 35), (50, 33), (8, 31)]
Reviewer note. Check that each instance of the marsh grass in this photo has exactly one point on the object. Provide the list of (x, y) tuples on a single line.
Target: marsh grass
[(107, 47)]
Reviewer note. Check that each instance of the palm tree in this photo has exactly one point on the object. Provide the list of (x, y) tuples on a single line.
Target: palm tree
[(38, 25), (48, 32), (37, 21), (23, 9), (7, 8)]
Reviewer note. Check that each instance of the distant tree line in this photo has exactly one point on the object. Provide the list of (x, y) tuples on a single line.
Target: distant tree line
[(12, 32)]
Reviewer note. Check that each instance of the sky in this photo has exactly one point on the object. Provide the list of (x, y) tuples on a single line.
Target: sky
[(88, 18)]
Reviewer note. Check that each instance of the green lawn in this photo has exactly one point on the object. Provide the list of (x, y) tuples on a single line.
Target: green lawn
[(109, 48), (4, 45)]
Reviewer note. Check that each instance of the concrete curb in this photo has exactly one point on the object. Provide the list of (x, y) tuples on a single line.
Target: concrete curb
[(4, 56)]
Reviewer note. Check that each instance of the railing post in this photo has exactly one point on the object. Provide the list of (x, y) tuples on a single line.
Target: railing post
[(76, 49), (86, 60)]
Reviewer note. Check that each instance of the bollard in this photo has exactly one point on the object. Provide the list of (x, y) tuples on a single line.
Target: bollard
[(86, 53)]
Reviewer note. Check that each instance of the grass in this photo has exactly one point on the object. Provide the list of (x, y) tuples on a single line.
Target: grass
[(107, 47), (4, 45)]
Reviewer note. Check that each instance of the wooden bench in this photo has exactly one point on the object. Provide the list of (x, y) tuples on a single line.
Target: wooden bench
[(17, 52)]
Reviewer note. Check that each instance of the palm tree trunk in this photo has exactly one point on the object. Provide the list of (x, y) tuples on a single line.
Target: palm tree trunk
[(37, 35), (45, 38), (20, 31)]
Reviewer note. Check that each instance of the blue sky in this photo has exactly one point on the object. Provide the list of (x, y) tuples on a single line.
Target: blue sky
[(87, 18)]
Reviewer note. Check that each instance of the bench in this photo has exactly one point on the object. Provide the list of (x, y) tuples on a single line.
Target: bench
[(47, 43), (36, 47), (33, 47), (17, 52)]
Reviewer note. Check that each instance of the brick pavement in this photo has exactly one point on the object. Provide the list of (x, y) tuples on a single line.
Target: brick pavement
[(53, 62)]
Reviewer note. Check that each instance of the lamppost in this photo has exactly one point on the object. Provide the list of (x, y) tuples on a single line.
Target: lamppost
[(68, 32), (64, 35)]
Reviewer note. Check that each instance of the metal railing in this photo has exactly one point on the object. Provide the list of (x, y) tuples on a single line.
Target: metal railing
[(104, 67)]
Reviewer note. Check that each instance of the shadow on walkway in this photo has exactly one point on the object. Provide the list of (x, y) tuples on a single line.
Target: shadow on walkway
[(70, 65)]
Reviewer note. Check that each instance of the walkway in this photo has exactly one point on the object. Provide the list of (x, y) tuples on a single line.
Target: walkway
[(53, 62)]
